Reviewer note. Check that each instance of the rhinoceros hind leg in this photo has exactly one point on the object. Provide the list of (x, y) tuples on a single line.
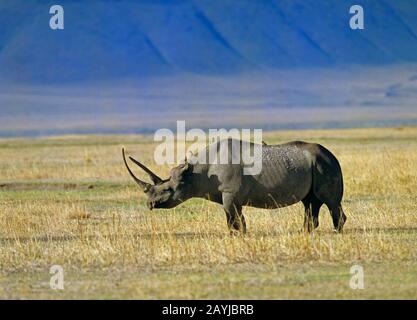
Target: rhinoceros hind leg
[(312, 207), (338, 217)]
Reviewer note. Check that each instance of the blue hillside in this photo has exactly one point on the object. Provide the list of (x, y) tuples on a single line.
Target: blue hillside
[(136, 39)]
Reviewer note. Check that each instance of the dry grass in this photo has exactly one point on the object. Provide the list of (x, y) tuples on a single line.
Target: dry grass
[(68, 201)]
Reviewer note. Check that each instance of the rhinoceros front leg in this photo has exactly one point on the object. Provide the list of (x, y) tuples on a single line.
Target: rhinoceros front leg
[(235, 219)]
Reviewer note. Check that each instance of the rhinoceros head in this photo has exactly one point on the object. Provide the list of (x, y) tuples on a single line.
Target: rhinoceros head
[(164, 193)]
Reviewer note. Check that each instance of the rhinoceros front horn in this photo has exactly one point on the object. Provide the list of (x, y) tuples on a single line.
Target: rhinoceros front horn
[(155, 179), (144, 185)]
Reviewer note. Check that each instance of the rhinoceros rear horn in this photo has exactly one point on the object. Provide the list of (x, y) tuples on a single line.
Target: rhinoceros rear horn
[(144, 185), (152, 175)]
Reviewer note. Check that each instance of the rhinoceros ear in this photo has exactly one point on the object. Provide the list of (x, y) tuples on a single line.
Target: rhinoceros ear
[(178, 172), (185, 167)]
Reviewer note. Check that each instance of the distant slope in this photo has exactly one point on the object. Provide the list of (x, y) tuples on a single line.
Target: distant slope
[(137, 39)]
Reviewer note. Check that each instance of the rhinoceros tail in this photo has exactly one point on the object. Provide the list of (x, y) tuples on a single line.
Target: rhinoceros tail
[(327, 177)]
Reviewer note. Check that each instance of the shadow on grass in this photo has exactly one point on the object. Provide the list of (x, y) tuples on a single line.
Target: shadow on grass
[(389, 230), (197, 235), (141, 236)]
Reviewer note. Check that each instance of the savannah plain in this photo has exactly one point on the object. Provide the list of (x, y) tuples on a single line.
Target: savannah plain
[(69, 201)]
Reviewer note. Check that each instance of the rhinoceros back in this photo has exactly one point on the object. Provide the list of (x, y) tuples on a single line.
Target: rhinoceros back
[(285, 178)]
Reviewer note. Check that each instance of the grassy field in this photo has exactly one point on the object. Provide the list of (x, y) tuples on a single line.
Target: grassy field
[(69, 201)]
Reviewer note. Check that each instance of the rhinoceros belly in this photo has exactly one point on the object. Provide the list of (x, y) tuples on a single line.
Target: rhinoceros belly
[(285, 177)]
